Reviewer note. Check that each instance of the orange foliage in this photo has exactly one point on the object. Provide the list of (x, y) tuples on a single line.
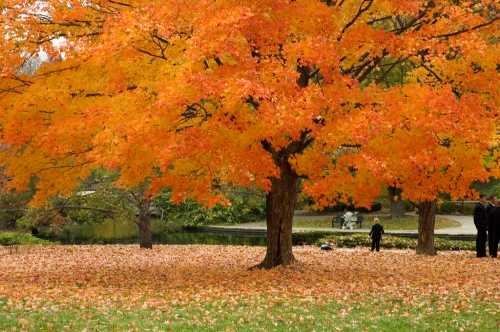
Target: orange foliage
[(186, 92)]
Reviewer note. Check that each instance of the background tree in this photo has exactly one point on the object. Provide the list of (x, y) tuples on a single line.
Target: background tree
[(12, 204), (430, 149), (252, 94), (396, 201)]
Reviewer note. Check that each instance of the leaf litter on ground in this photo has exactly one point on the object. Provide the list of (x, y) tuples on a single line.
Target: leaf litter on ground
[(171, 275)]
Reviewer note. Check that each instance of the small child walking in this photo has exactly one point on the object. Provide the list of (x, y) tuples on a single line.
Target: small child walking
[(376, 234)]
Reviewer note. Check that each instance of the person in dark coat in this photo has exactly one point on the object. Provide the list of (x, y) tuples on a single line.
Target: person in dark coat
[(494, 227), (481, 223), (376, 234)]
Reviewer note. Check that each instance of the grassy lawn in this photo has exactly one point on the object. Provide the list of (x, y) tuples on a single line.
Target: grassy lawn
[(262, 314), (405, 223), (211, 288)]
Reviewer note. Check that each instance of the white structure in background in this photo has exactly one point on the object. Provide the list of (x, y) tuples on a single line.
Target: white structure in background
[(350, 220), (85, 193)]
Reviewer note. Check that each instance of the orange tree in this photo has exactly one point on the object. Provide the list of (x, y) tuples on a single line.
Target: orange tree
[(428, 160), (435, 144), (194, 95)]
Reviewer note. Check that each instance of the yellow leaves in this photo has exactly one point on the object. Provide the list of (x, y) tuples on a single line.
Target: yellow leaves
[(402, 7)]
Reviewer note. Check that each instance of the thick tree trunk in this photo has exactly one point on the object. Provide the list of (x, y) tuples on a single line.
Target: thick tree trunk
[(280, 206), (145, 235), (397, 205), (426, 222)]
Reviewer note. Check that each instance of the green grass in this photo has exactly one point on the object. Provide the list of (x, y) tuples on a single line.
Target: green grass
[(365, 314), (405, 223)]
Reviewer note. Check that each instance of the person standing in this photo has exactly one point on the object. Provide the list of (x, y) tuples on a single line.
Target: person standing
[(481, 223), (376, 234), (494, 227)]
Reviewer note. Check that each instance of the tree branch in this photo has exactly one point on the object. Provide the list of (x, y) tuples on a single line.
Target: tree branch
[(363, 7), (431, 72), (456, 33)]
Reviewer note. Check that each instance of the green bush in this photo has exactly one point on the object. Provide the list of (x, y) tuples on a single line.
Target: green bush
[(12, 207), (396, 242), (308, 237), (36, 217), (16, 238), (246, 206), (445, 244)]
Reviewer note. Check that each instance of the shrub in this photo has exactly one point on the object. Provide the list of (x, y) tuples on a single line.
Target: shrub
[(308, 237), (16, 238), (245, 206), (12, 207), (397, 242)]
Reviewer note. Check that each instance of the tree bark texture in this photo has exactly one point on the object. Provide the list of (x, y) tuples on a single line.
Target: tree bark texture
[(144, 225), (280, 206), (145, 235), (426, 223)]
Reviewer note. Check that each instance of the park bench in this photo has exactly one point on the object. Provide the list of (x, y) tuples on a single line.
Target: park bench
[(339, 220)]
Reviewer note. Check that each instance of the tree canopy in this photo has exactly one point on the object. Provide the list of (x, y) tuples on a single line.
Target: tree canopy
[(196, 94)]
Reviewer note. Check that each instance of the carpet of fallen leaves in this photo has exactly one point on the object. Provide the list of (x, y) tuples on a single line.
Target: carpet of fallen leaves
[(172, 274)]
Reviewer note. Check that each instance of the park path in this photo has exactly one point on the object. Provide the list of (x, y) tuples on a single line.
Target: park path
[(466, 225)]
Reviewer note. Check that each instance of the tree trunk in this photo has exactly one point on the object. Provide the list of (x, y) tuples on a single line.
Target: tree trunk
[(145, 235), (397, 205), (426, 222), (280, 206)]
